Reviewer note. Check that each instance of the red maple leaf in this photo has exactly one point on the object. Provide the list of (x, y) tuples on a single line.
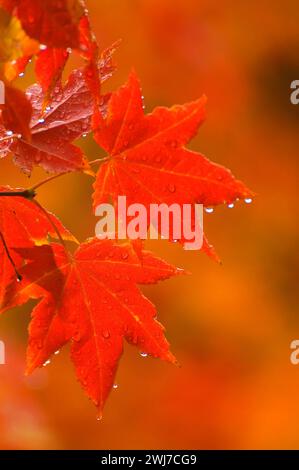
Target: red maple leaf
[(51, 22), (22, 224), (92, 299), (146, 158), (11, 117), (66, 118)]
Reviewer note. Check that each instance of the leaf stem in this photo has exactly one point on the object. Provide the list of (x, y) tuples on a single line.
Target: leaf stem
[(19, 277), (47, 180), (27, 193), (99, 160)]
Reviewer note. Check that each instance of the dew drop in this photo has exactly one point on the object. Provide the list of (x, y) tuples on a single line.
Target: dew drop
[(46, 363), (77, 336), (56, 353), (21, 74), (9, 133), (42, 47), (248, 200), (171, 188), (106, 334), (143, 354), (41, 120), (231, 206), (209, 210), (115, 386), (84, 135)]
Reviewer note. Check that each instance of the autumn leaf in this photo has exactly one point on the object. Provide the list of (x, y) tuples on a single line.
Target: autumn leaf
[(67, 118), (92, 299), (52, 22), (14, 42), (49, 66), (22, 224), (12, 119), (147, 160)]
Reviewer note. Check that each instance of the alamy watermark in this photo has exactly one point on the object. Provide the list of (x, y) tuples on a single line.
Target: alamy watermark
[(294, 356), (136, 221), (295, 94), (2, 353)]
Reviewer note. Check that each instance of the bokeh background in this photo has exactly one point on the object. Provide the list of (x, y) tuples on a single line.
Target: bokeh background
[(230, 326)]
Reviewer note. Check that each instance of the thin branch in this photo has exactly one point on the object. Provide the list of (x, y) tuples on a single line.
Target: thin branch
[(59, 236), (99, 160), (27, 193), (47, 180)]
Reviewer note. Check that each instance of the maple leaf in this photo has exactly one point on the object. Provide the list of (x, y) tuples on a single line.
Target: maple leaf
[(49, 66), (22, 224), (52, 22), (147, 160), (14, 42), (12, 119), (67, 118), (93, 300)]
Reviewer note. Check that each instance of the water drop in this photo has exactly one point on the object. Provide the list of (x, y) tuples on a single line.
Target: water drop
[(42, 47), (21, 74), (248, 200), (56, 352), (209, 210), (46, 363), (143, 354), (231, 206), (125, 256), (41, 120), (84, 135), (171, 188), (106, 334), (77, 336), (115, 386), (9, 133)]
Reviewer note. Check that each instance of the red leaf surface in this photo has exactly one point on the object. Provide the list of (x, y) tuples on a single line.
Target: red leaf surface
[(66, 118), (13, 120), (52, 22), (147, 160), (49, 66), (22, 224), (93, 300)]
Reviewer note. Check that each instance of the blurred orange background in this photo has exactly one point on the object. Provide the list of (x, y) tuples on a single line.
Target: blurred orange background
[(230, 326)]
